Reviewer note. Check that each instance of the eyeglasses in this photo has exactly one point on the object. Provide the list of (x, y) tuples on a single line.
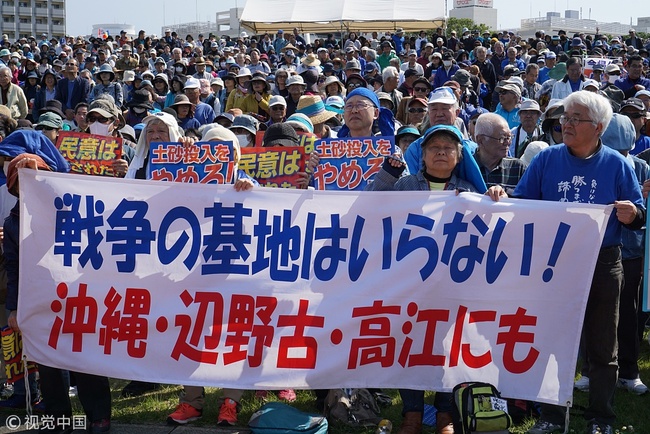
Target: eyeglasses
[(417, 110), (573, 121), (101, 120), (356, 107), (421, 89), (502, 140), (354, 85), (634, 115)]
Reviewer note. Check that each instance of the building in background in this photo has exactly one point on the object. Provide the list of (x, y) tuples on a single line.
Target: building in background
[(194, 29), (24, 18), (571, 23), (479, 11), (228, 22), (643, 24)]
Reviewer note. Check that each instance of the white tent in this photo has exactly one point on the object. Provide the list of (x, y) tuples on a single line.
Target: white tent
[(308, 16)]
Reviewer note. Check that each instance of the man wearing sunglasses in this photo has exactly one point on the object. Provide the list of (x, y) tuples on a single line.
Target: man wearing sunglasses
[(278, 110), (634, 109)]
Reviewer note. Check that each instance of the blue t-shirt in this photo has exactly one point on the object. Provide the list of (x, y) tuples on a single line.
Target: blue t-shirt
[(204, 113), (605, 177), (641, 145), (575, 85)]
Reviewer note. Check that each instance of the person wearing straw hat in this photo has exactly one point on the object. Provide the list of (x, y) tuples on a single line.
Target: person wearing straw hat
[(237, 96), (201, 73), (105, 84), (310, 61), (256, 101), (313, 107)]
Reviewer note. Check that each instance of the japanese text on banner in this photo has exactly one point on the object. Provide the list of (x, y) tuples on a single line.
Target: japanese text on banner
[(198, 163), (349, 163), (280, 288), (89, 154)]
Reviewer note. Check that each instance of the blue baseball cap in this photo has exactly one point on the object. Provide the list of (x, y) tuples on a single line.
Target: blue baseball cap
[(442, 129)]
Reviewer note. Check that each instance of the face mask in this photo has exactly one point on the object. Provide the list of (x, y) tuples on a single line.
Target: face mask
[(139, 110), (208, 69), (179, 69), (100, 129), (242, 139), (222, 65), (612, 78), (446, 63)]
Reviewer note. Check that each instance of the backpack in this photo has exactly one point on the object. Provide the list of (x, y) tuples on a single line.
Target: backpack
[(357, 407), (279, 418), (478, 408)]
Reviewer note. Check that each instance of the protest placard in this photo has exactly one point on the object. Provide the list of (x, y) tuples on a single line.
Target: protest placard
[(88, 153), (275, 166), (349, 163), (199, 163)]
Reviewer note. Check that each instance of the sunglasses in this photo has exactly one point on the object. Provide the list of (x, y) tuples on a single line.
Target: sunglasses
[(417, 110), (101, 120), (421, 89)]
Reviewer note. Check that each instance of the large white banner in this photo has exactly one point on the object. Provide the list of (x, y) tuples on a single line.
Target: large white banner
[(273, 288)]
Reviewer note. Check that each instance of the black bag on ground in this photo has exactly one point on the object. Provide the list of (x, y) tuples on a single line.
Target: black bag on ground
[(359, 408)]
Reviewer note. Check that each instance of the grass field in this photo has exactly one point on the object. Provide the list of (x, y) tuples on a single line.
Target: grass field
[(153, 408), (632, 411)]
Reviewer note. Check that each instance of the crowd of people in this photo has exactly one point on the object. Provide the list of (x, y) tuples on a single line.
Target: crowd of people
[(469, 111)]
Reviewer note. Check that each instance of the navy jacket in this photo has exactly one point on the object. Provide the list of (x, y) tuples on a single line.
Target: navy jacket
[(80, 92)]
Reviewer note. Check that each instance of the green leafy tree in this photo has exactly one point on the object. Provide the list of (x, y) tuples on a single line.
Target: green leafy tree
[(458, 24)]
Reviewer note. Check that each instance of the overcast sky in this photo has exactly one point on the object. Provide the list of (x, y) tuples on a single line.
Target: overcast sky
[(152, 15)]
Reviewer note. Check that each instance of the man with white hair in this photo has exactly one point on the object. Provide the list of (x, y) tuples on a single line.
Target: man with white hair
[(177, 56), (493, 138), (390, 76), (606, 179)]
